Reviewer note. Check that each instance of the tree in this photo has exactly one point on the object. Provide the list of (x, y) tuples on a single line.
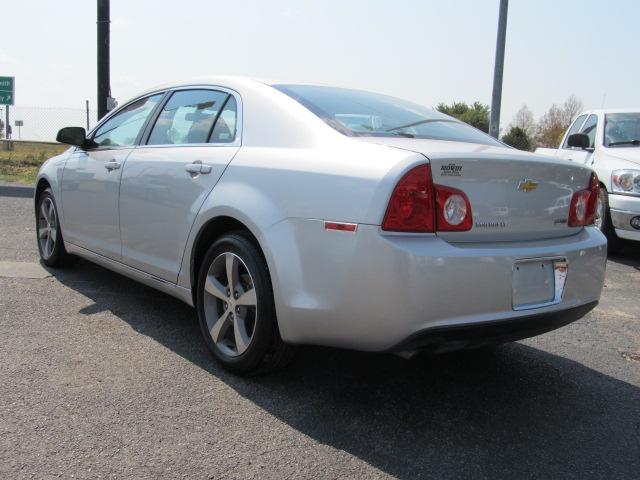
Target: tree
[(476, 114), (1, 128), (517, 137), (571, 107), (556, 121), (524, 119)]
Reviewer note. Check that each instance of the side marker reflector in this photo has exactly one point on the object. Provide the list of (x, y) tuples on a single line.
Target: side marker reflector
[(341, 226)]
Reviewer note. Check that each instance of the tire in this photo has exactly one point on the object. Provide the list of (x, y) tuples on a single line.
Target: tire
[(243, 337), (614, 243), (49, 233)]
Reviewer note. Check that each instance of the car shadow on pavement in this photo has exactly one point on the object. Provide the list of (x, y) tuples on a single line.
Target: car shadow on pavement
[(629, 255), (510, 411)]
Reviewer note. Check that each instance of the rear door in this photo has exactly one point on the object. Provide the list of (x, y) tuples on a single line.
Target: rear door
[(184, 151), (91, 180)]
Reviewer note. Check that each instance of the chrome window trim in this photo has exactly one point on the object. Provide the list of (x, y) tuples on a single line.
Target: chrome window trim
[(237, 142)]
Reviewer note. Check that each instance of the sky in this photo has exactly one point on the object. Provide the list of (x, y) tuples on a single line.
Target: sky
[(426, 51)]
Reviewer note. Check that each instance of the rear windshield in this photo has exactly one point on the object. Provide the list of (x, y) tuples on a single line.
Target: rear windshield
[(358, 113)]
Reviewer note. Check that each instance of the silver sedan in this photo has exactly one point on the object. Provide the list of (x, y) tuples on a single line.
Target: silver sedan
[(298, 214)]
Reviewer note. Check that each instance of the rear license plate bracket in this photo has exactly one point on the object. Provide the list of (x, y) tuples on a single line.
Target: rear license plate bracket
[(538, 282)]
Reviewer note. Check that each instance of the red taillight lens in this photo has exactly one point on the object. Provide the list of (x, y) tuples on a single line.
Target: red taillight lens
[(453, 210), (411, 208), (419, 206), (583, 204)]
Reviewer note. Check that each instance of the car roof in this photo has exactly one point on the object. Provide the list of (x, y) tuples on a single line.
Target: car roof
[(229, 81), (600, 111)]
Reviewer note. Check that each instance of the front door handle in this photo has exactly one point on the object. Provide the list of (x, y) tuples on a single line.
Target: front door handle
[(198, 167), (112, 165)]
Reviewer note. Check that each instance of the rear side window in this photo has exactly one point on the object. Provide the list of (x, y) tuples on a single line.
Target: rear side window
[(575, 128), (123, 128), (589, 128), (187, 117), (225, 128)]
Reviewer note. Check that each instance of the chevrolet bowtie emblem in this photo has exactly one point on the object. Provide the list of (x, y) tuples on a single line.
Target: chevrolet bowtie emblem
[(527, 185)]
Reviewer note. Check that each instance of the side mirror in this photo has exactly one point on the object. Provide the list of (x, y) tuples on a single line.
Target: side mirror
[(74, 136), (580, 140)]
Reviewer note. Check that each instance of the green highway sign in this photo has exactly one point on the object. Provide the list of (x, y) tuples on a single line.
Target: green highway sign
[(7, 90)]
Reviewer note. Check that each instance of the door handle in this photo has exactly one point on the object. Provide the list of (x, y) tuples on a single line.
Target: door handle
[(198, 167), (112, 165)]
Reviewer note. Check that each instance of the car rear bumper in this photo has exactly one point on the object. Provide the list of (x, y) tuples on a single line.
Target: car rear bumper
[(475, 335), (623, 208), (372, 291)]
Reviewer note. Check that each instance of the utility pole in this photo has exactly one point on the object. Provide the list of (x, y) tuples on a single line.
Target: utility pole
[(496, 97), (104, 87)]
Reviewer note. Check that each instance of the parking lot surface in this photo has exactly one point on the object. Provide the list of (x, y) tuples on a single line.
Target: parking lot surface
[(102, 377)]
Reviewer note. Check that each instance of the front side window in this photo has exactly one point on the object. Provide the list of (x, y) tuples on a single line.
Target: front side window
[(622, 129), (358, 113), (589, 128), (123, 128), (187, 117), (575, 128)]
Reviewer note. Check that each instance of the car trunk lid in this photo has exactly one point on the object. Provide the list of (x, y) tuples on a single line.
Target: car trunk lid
[(514, 195)]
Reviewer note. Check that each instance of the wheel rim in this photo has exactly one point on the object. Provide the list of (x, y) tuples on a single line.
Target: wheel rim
[(47, 228), (598, 220), (230, 304)]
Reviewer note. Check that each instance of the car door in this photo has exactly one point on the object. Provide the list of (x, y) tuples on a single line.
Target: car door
[(185, 150), (589, 128), (91, 179), (586, 124), (567, 152)]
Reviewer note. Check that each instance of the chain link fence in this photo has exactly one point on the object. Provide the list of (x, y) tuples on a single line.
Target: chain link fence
[(42, 123)]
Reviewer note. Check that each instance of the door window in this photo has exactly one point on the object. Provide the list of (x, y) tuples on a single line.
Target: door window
[(187, 117), (575, 128), (225, 128), (589, 128), (124, 127)]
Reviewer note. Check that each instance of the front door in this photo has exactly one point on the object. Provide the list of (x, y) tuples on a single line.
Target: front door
[(91, 181), (165, 181), (586, 125)]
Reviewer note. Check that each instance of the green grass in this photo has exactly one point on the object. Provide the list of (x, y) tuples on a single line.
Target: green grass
[(21, 164)]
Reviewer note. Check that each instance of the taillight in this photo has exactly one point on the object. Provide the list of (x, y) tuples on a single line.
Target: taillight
[(583, 204), (411, 208), (454, 210), (419, 206)]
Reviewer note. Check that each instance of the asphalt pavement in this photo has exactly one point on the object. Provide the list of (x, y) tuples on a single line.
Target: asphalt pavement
[(101, 377)]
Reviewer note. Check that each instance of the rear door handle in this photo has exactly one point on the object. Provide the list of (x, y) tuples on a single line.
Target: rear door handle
[(112, 165), (198, 167)]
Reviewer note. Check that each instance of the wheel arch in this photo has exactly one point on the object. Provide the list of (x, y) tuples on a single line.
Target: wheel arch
[(213, 229), (41, 186)]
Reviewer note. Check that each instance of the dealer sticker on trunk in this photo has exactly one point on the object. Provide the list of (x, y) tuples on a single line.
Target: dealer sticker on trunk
[(451, 170)]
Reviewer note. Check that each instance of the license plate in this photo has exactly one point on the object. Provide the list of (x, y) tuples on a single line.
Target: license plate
[(538, 282)]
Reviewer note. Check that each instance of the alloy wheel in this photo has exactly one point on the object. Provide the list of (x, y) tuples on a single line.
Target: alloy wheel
[(230, 304), (47, 228)]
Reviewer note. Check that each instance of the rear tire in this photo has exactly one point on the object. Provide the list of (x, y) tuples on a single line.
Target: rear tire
[(614, 243), (49, 233), (238, 322)]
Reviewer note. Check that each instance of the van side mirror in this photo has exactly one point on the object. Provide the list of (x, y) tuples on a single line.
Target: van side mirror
[(580, 140), (76, 136)]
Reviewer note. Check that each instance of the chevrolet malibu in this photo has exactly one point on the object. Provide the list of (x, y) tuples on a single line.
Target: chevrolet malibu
[(299, 214)]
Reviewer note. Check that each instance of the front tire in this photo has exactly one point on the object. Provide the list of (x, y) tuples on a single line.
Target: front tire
[(236, 311), (49, 234), (603, 222)]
